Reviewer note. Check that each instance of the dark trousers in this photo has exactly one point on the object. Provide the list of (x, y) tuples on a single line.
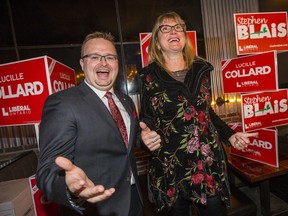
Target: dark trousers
[(184, 207), (136, 208)]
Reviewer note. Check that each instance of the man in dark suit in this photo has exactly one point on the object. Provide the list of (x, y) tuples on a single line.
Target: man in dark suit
[(85, 164)]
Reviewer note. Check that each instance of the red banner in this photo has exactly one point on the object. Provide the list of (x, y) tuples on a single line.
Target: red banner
[(264, 110), (42, 206), (61, 76), (263, 149), (250, 73), (260, 32), (145, 40), (25, 85)]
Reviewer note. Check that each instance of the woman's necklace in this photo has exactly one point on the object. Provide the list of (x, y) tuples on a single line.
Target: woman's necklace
[(179, 72), (179, 75)]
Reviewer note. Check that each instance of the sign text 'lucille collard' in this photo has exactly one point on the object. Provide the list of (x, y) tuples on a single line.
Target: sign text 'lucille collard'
[(24, 86), (265, 109), (260, 32), (250, 73), (263, 148)]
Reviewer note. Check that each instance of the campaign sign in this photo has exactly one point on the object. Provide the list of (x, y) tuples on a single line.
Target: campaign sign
[(144, 43), (25, 85), (250, 73), (236, 126), (260, 32), (61, 76), (42, 206), (264, 109), (263, 149), (145, 40)]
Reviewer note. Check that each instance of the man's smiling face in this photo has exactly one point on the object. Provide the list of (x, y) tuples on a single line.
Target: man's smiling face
[(100, 73)]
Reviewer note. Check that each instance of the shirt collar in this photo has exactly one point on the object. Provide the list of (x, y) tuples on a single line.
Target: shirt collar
[(100, 93)]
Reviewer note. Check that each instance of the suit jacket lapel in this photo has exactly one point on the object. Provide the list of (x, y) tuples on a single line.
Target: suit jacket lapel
[(96, 103), (97, 106)]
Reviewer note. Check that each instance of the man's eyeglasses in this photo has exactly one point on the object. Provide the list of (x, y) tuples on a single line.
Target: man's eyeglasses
[(98, 58), (168, 28)]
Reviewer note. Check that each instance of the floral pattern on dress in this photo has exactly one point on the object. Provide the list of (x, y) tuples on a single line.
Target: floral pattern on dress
[(189, 161)]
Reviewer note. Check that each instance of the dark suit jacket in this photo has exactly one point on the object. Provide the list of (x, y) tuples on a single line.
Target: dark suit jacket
[(76, 124)]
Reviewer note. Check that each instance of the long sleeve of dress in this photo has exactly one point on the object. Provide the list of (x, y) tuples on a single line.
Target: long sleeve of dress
[(223, 129), (145, 109)]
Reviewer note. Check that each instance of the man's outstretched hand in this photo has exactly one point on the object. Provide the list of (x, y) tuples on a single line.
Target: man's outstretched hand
[(80, 185)]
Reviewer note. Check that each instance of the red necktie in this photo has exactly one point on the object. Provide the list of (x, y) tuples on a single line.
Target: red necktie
[(117, 117)]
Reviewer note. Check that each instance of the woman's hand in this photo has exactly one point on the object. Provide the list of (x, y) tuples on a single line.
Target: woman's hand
[(240, 140), (150, 138)]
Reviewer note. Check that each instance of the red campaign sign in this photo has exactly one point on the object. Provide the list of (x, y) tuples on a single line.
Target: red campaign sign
[(61, 76), (25, 85), (264, 109), (145, 40), (42, 206), (144, 43), (263, 149), (260, 32), (250, 73), (24, 88)]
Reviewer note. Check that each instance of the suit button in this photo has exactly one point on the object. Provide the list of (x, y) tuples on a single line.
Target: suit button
[(128, 178)]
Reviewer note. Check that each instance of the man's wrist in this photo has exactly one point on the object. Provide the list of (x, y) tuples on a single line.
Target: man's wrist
[(75, 201)]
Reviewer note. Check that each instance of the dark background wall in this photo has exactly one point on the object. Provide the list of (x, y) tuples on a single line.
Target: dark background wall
[(55, 28), (33, 28)]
